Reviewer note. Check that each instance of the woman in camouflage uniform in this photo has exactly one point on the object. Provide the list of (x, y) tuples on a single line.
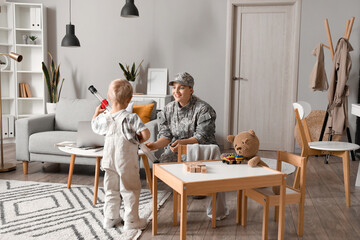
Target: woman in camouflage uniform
[(187, 120)]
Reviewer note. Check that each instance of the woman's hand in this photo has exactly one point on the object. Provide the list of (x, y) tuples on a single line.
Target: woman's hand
[(160, 143), (98, 111), (151, 145), (174, 147)]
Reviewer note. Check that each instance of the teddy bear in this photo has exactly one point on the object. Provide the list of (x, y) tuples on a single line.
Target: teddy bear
[(247, 145)]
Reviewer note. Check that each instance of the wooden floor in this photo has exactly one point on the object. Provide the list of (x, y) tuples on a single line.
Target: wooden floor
[(326, 215)]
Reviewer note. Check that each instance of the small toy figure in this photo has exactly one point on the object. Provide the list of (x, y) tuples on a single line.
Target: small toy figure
[(232, 159)]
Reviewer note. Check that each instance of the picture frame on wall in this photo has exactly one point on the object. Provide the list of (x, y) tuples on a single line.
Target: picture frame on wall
[(157, 81)]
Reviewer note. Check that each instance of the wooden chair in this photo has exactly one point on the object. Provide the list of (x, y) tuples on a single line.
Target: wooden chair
[(309, 148), (267, 198), (182, 149)]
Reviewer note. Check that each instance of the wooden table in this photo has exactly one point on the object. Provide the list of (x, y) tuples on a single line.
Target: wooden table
[(219, 178), (98, 155)]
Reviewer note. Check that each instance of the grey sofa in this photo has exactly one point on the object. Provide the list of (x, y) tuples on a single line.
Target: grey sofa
[(36, 136)]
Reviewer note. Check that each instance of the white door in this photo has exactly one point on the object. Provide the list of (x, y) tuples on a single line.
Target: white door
[(264, 73)]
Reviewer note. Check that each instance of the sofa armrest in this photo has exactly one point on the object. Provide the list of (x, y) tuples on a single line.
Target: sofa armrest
[(153, 128), (25, 127)]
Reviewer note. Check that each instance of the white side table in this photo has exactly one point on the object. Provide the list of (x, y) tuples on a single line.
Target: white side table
[(98, 155), (355, 110)]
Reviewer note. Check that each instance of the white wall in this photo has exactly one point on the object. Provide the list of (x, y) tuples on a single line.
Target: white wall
[(181, 35)]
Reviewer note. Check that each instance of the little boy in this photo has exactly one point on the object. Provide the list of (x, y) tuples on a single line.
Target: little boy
[(123, 132)]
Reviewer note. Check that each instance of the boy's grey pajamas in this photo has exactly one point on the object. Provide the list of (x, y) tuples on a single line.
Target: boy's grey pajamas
[(120, 163)]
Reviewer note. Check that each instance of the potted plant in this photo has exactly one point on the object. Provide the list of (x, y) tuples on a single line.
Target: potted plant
[(52, 79), (131, 73), (33, 38)]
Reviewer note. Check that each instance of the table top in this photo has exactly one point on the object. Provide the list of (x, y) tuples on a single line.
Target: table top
[(87, 153), (333, 146), (216, 170)]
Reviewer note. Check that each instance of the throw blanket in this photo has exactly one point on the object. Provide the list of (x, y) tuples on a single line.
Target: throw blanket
[(202, 152), (209, 152)]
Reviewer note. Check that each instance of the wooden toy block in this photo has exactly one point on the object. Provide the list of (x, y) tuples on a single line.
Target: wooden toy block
[(194, 167)]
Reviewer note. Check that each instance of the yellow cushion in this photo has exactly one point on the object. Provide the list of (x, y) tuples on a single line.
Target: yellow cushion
[(144, 111)]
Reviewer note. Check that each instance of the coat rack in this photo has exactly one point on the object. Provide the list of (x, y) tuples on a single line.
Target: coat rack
[(348, 28)]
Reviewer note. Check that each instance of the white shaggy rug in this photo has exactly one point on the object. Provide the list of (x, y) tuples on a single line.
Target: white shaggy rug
[(34, 210)]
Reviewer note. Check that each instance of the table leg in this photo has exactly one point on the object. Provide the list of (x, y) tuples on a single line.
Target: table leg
[(71, 169), (183, 216), (213, 219), (154, 190), (147, 171), (281, 226), (239, 206), (175, 207), (346, 170), (96, 184)]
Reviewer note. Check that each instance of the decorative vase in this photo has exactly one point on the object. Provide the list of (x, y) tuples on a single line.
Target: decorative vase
[(50, 108), (25, 39), (133, 84)]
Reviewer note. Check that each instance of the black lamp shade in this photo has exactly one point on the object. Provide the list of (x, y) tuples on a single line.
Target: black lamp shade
[(70, 40), (129, 10)]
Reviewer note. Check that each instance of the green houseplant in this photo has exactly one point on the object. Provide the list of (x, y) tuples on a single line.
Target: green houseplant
[(33, 38), (52, 79), (131, 73)]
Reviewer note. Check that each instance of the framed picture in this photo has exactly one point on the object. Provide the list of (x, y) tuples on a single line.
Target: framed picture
[(157, 81)]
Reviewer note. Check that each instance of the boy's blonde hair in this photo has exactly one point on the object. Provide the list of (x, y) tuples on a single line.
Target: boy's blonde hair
[(120, 90)]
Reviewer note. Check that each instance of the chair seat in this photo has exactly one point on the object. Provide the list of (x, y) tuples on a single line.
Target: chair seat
[(269, 192), (333, 146)]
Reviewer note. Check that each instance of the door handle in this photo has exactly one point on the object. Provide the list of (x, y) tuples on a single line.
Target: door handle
[(239, 78)]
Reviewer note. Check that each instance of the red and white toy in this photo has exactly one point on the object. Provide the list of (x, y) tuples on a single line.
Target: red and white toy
[(103, 101)]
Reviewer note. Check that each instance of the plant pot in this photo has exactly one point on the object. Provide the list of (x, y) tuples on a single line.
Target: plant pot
[(133, 84), (50, 108), (33, 42)]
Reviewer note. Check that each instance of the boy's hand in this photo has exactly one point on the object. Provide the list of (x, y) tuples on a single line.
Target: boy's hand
[(98, 111)]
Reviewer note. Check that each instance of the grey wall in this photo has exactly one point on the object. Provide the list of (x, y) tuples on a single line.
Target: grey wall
[(181, 35), (313, 32)]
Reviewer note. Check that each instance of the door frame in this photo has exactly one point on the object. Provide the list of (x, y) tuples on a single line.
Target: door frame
[(229, 68)]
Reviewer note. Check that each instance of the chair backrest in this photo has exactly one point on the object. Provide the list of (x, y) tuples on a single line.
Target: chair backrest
[(182, 149), (297, 161), (303, 129)]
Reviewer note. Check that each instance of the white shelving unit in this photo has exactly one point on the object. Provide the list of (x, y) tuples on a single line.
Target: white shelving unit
[(161, 100), (16, 20), (29, 20)]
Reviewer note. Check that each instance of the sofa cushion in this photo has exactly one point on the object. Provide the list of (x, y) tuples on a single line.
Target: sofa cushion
[(146, 102), (70, 111), (44, 142), (143, 111)]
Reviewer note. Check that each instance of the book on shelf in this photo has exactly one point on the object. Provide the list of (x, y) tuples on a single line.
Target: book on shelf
[(20, 90), (27, 90), (24, 90)]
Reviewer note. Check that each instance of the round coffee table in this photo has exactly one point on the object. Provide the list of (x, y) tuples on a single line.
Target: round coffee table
[(98, 155)]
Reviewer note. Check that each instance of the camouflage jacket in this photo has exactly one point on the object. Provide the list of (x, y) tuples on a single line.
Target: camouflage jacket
[(196, 119)]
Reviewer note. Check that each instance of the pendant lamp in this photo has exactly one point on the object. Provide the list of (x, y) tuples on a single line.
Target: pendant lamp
[(70, 40), (129, 10)]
